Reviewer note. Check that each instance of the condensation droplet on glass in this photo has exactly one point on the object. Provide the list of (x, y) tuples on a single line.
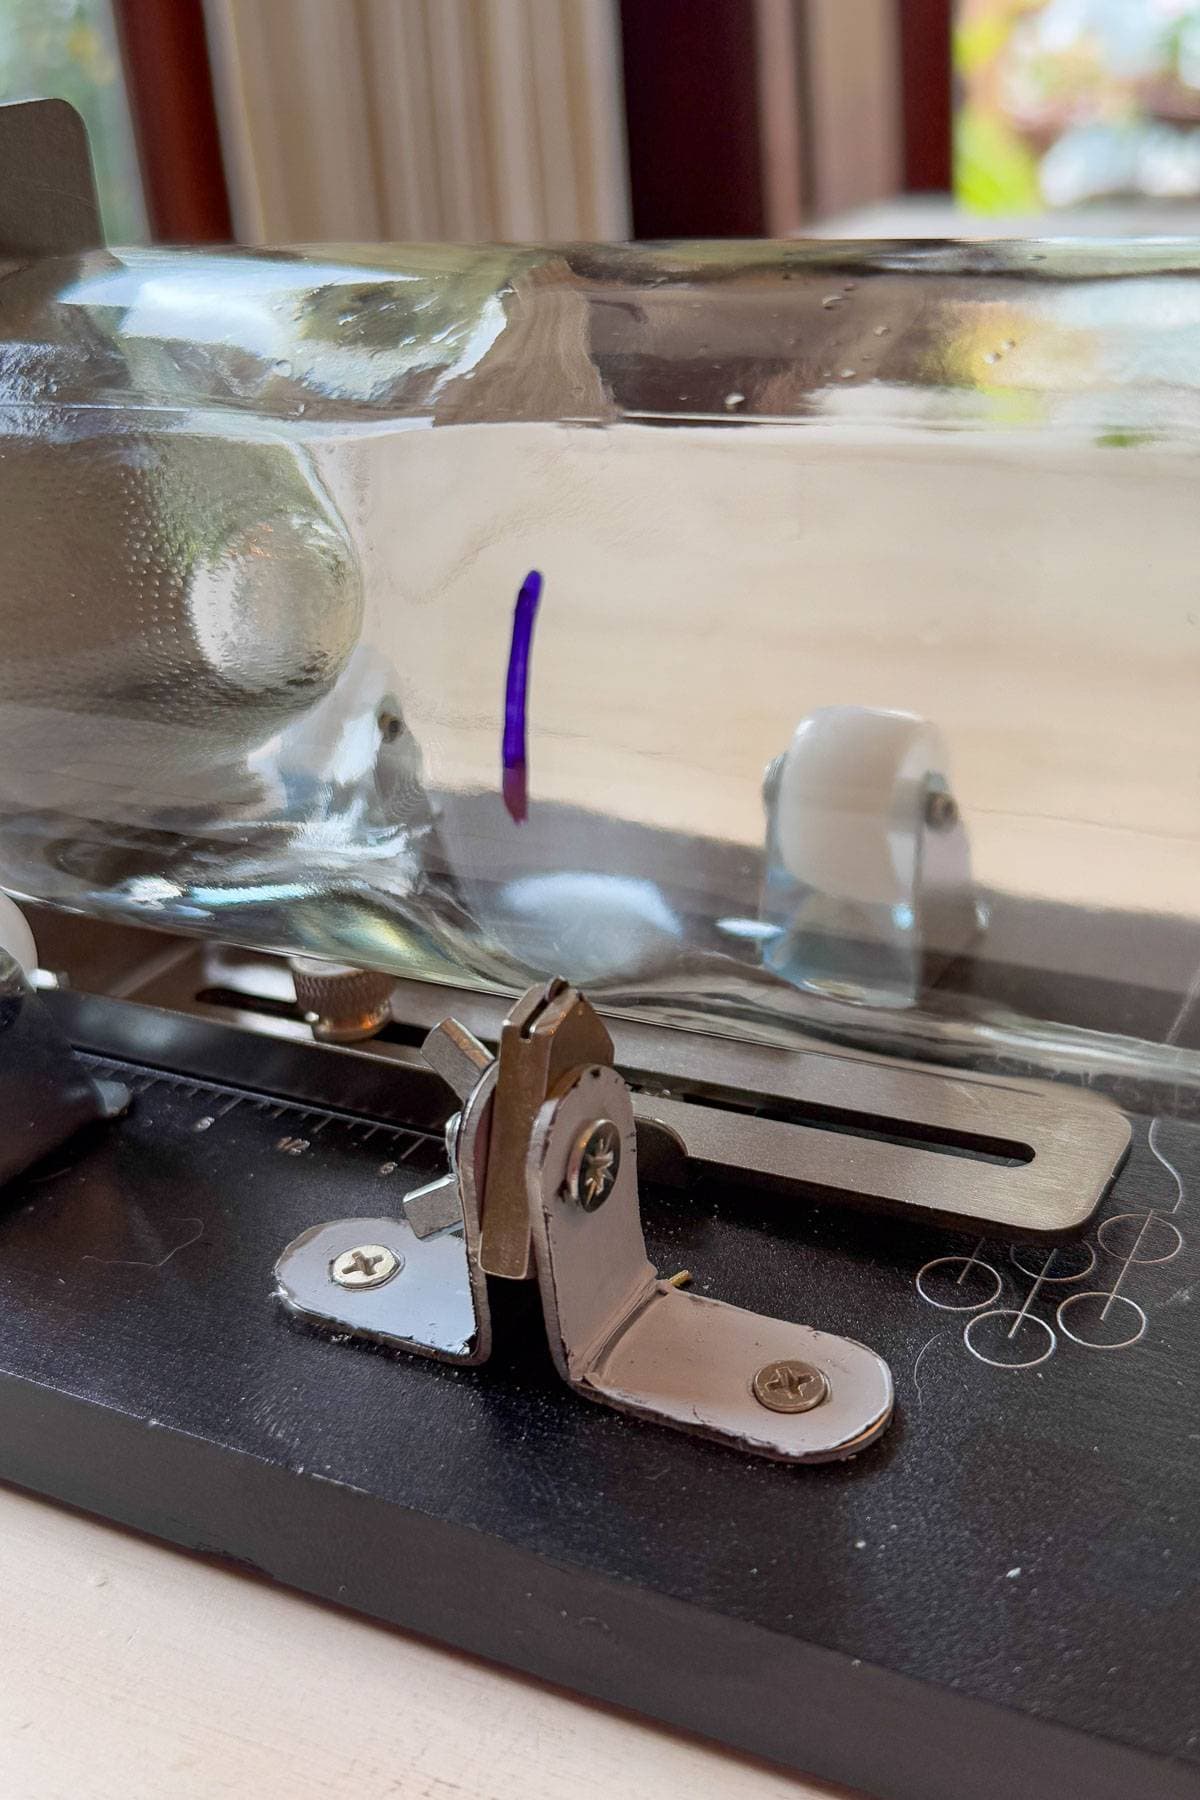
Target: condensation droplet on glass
[(832, 300), (1009, 344), (849, 374), (991, 356), (882, 330), (281, 366), (732, 400)]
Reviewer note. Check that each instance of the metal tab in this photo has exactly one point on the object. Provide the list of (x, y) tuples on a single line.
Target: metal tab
[(435, 1207), (457, 1055), (548, 1031)]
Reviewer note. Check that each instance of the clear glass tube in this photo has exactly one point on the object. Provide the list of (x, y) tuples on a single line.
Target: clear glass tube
[(859, 698)]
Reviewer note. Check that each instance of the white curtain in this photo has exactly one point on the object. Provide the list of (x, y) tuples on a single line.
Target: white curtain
[(853, 102), (421, 119)]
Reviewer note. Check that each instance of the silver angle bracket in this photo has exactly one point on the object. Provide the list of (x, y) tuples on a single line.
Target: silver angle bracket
[(617, 1332)]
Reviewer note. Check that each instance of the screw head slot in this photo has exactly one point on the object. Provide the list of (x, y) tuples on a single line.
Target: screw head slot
[(790, 1386), (594, 1164), (365, 1266)]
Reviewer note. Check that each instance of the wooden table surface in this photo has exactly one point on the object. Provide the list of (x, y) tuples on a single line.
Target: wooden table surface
[(129, 1671)]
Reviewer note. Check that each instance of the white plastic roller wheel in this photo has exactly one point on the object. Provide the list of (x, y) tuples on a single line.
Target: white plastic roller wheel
[(849, 801), (15, 935)]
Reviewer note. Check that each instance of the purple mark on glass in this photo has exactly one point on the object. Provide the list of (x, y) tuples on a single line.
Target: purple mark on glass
[(514, 784)]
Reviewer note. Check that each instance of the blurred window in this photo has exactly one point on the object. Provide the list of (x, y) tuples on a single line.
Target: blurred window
[(67, 49), (1067, 101)]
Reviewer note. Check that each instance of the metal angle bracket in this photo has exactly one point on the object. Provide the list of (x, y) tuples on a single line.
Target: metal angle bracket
[(617, 1333), (415, 1283), (620, 1335)]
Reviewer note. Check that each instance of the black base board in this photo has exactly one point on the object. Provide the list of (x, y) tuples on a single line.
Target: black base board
[(998, 1599)]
